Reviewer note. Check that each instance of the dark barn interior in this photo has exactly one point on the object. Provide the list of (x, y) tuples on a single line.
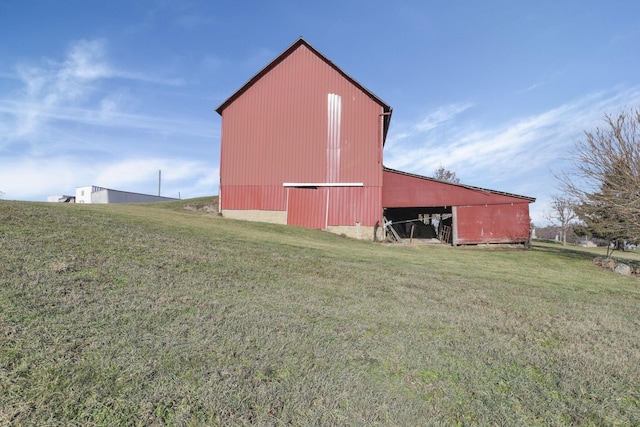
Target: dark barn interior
[(419, 223)]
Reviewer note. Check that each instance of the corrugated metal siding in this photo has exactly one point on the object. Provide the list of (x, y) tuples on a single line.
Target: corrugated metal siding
[(330, 206), (502, 223), (348, 205), (401, 191), (284, 129), (307, 207), (243, 197)]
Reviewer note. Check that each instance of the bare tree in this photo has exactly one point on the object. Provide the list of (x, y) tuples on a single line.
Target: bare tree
[(563, 214), (445, 175), (606, 178)]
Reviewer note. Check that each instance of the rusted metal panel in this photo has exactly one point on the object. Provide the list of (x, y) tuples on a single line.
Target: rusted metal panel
[(406, 190), (302, 121), (307, 207), (502, 223)]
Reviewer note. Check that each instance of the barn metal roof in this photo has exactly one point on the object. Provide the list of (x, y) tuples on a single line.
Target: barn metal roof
[(302, 42), (469, 187)]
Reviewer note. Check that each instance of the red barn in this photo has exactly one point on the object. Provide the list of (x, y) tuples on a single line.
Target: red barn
[(302, 145)]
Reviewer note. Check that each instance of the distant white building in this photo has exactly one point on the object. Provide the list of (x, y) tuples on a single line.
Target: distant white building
[(61, 199), (94, 194)]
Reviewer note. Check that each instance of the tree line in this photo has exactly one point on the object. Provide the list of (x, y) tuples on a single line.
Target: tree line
[(601, 192)]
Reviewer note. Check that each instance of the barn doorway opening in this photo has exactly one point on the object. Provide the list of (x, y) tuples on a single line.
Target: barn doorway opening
[(427, 223)]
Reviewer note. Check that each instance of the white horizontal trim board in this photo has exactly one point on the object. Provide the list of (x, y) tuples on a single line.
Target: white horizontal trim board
[(323, 184)]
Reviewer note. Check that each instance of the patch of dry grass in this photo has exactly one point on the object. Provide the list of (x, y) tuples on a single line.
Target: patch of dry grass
[(158, 315)]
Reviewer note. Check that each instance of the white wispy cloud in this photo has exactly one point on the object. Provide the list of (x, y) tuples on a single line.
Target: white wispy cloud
[(141, 175), (464, 146), (106, 114), (530, 88), (62, 174), (441, 116), (66, 90), (74, 122), (30, 177), (402, 144), (519, 156)]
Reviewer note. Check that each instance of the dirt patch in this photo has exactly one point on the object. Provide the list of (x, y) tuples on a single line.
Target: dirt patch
[(206, 207)]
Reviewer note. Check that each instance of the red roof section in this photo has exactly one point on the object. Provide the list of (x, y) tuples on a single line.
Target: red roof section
[(403, 189)]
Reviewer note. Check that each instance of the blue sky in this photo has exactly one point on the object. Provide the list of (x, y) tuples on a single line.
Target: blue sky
[(109, 92)]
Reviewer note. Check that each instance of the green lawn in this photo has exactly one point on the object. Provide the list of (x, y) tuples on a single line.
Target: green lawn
[(158, 315)]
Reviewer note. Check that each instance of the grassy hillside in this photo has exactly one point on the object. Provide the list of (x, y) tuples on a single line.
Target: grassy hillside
[(158, 315)]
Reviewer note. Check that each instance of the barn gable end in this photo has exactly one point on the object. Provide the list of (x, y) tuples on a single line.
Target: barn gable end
[(304, 141)]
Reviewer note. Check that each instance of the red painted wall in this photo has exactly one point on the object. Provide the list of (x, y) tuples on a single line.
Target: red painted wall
[(479, 215), (504, 223), (307, 207), (348, 205), (302, 122), (244, 197)]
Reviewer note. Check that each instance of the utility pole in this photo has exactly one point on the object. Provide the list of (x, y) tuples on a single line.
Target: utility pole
[(159, 180)]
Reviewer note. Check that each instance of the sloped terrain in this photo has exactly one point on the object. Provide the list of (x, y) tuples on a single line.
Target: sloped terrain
[(160, 315)]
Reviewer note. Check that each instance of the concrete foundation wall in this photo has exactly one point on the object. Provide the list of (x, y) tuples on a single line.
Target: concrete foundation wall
[(355, 232), (280, 217), (273, 217)]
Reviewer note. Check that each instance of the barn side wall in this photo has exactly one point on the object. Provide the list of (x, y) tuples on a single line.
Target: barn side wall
[(253, 197), (314, 207), (502, 223), (479, 216)]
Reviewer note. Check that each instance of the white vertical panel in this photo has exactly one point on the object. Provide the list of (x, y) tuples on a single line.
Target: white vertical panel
[(454, 225), (334, 123)]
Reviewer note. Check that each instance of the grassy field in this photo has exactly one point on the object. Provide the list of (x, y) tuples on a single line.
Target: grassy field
[(158, 315)]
